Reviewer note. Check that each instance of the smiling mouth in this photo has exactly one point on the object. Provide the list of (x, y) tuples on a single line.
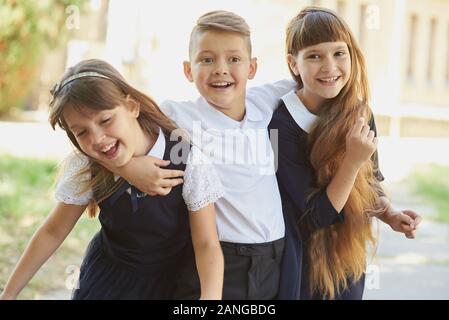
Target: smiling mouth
[(329, 80), (110, 150), (221, 84)]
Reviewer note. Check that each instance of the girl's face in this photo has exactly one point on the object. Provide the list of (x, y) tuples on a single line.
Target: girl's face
[(324, 69), (111, 136)]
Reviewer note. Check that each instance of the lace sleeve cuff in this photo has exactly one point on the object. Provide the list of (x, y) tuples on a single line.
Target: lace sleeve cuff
[(202, 185), (70, 184)]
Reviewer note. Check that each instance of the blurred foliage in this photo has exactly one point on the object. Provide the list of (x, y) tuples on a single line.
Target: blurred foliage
[(26, 28), (431, 184), (26, 198)]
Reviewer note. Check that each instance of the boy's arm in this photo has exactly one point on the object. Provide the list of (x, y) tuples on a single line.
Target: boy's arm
[(208, 254), (270, 93), (43, 244), (147, 174)]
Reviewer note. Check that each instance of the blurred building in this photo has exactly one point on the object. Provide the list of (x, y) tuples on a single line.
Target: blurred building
[(405, 42)]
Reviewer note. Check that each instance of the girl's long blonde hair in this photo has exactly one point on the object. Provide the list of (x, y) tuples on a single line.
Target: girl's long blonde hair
[(338, 253), (97, 93)]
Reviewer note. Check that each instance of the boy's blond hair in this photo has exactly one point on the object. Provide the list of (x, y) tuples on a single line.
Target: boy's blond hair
[(220, 20)]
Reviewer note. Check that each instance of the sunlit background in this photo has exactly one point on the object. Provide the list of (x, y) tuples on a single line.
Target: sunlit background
[(406, 46)]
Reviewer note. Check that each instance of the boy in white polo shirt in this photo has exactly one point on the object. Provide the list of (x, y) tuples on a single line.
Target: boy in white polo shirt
[(230, 125)]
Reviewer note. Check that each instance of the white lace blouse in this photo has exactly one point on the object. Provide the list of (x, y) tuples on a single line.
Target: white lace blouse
[(201, 187)]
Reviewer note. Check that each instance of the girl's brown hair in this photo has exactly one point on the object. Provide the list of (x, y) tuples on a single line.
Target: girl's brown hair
[(338, 253), (101, 93)]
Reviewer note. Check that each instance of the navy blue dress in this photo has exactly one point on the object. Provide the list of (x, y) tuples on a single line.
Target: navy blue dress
[(142, 244), (296, 180)]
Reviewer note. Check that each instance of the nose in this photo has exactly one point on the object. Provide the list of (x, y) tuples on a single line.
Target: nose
[(221, 67), (96, 136), (328, 65)]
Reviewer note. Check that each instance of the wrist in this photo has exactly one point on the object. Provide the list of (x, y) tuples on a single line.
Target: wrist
[(351, 165), (386, 214)]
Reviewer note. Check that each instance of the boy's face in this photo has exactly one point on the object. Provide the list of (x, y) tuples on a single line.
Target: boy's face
[(220, 66)]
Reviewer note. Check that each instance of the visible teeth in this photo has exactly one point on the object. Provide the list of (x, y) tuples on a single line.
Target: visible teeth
[(107, 148), (329, 79), (221, 84)]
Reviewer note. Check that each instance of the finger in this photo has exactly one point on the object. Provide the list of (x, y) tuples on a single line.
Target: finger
[(406, 219), (359, 125), (371, 135), (365, 130), (164, 191), (412, 214), (375, 141), (405, 228), (411, 235), (161, 163), (418, 220), (171, 183), (167, 173)]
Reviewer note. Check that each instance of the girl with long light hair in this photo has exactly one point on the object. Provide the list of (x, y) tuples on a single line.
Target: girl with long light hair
[(328, 170)]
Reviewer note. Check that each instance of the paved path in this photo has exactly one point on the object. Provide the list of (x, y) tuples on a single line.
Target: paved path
[(411, 269)]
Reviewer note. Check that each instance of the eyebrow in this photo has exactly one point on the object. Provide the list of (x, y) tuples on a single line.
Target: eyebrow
[(74, 127), (317, 50), (212, 52)]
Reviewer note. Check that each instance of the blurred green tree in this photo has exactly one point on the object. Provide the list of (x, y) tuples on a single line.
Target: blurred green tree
[(26, 28)]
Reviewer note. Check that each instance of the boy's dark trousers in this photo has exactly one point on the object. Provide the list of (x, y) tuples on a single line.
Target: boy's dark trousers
[(251, 272)]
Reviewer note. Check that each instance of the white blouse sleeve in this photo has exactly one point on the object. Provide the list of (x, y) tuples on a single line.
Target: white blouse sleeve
[(69, 186), (202, 185)]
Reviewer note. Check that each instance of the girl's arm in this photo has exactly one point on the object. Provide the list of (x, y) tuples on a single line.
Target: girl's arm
[(43, 244), (296, 176), (201, 189), (361, 143), (208, 254), (405, 221)]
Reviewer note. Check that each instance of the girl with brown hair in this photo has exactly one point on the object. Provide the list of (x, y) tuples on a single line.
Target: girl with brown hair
[(328, 172), (144, 241)]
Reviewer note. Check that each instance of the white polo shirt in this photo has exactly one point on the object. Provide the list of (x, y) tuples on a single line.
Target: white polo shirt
[(251, 210)]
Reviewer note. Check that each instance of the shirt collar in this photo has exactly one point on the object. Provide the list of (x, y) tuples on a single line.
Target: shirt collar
[(303, 117), (221, 121), (158, 148)]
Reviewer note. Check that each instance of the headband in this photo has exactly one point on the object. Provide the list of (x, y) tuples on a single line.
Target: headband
[(58, 86)]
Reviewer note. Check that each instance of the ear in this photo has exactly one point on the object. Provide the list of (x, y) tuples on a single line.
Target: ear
[(252, 68), (292, 64), (187, 70), (133, 106)]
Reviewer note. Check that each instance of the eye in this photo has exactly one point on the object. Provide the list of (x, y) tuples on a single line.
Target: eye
[(206, 60), (314, 56), (235, 59), (80, 134), (340, 53), (104, 121)]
